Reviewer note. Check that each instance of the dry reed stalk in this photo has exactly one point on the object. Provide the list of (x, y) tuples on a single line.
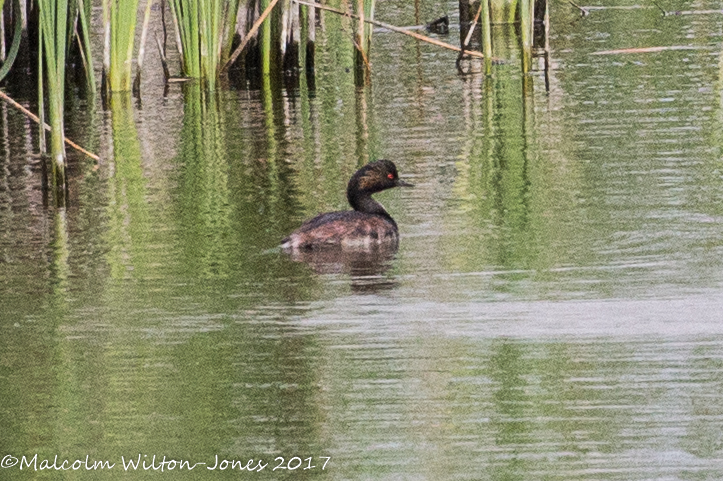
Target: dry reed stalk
[(47, 127), (474, 24), (394, 29), (252, 32), (142, 47)]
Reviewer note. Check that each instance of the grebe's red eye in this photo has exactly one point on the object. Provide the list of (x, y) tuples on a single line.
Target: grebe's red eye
[(390, 176)]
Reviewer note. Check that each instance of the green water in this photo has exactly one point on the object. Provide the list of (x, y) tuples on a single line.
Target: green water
[(553, 312)]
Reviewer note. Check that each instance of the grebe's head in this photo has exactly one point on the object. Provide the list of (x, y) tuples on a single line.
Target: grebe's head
[(375, 177)]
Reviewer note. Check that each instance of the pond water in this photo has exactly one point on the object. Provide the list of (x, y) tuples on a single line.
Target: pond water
[(553, 311)]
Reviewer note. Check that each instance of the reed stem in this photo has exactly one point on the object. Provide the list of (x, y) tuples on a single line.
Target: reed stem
[(53, 21), (84, 46), (120, 25), (17, 37), (41, 101), (201, 32), (526, 24)]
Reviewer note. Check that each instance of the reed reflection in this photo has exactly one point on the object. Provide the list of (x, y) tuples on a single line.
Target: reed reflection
[(205, 187)]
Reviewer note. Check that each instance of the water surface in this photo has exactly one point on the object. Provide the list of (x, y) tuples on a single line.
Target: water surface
[(553, 311)]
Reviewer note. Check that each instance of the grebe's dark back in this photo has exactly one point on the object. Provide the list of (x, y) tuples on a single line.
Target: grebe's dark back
[(367, 225)]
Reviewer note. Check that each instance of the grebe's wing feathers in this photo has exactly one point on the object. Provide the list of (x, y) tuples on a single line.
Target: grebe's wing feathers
[(346, 229)]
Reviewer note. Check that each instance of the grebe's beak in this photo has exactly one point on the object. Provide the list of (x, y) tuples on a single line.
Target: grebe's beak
[(401, 183)]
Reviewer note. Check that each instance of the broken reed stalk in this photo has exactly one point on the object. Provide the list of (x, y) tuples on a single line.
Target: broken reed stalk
[(252, 32), (652, 49), (474, 23), (308, 26), (365, 11), (285, 33), (484, 13), (361, 59), (624, 7), (583, 11), (142, 48), (34, 117), (164, 62), (423, 38), (177, 30), (360, 28), (695, 12)]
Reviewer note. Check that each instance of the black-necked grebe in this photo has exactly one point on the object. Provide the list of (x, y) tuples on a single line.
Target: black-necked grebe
[(367, 225)]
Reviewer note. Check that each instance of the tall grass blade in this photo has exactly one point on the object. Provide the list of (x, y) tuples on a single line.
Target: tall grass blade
[(204, 30), (486, 35), (54, 23), (105, 78), (17, 37), (41, 101), (265, 44), (229, 30), (84, 45), (2, 34), (120, 27)]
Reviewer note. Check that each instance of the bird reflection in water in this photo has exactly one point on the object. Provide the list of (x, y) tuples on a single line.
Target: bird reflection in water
[(366, 266)]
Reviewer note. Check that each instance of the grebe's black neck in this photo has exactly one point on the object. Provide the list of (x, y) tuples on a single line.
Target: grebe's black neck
[(374, 177), (362, 201)]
